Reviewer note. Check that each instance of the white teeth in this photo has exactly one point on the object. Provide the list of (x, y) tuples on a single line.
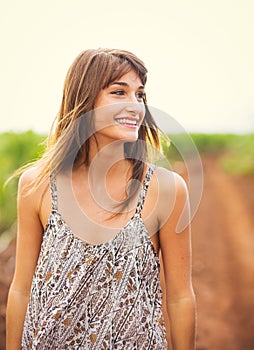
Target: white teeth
[(127, 121)]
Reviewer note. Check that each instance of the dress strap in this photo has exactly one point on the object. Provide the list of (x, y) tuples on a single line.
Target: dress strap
[(53, 191), (144, 189)]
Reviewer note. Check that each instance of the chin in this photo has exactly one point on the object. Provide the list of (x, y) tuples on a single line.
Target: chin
[(129, 138)]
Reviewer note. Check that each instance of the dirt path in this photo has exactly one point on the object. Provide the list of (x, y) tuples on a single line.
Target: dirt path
[(223, 247), (7, 262), (223, 269)]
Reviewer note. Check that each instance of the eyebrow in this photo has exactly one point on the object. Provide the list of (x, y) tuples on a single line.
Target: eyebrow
[(121, 83)]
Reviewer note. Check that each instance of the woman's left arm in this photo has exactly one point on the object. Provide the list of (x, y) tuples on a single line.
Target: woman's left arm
[(175, 244)]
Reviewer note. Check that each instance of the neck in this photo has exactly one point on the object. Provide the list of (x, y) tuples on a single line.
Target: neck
[(106, 160), (106, 156), (108, 170)]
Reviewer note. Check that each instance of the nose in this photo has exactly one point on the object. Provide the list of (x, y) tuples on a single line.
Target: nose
[(134, 106)]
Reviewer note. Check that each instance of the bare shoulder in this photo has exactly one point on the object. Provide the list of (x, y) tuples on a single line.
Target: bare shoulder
[(26, 191), (172, 195), (29, 175), (169, 182)]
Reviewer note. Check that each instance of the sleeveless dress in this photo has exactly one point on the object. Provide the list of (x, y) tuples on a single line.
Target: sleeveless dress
[(96, 297)]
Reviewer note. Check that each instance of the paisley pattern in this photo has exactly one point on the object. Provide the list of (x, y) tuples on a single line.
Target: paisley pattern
[(97, 297)]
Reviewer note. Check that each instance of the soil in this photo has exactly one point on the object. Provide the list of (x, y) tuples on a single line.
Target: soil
[(223, 262)]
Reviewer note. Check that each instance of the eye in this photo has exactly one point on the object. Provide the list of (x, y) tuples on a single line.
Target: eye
[(140, 95), (117, 92)]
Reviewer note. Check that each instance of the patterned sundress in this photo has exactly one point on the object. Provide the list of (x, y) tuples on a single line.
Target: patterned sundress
[(96, 297)]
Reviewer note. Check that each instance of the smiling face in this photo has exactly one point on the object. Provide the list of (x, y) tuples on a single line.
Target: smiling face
[(119, 110)]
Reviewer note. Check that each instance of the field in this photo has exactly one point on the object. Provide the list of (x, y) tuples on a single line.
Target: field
[(223, 233)]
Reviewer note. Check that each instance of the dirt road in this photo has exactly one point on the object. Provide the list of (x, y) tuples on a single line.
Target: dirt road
[(223, 258), (223, 263)]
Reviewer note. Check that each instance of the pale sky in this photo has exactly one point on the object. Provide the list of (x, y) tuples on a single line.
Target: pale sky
[(199, 54)]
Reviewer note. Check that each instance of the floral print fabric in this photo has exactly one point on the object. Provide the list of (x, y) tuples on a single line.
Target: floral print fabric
[(97, 297)]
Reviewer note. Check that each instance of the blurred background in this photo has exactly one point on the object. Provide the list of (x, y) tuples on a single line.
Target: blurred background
[(200, 56)]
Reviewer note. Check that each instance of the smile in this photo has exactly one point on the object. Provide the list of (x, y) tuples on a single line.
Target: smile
[(127, 122)]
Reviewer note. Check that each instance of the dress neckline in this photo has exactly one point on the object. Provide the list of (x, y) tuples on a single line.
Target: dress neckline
[(136, 215), (82, 241)]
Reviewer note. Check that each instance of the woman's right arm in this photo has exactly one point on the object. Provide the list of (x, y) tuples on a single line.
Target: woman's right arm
[(29, 238)]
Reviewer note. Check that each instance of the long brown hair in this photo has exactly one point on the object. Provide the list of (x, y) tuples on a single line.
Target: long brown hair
[(92, 71)]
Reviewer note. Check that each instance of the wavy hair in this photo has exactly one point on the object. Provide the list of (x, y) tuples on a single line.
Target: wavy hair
[(92, 71)]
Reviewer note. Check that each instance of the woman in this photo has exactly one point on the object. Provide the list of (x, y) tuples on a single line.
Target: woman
[(93, 217)]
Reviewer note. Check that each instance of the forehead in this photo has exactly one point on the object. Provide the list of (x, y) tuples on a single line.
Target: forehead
[(131, 77)]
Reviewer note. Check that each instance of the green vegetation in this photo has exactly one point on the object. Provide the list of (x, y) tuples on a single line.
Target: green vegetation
[(236, 153), (239, 159), (16, 149)]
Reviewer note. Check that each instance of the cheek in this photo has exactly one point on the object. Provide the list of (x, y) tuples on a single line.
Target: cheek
[(111, 110), (142, 112), (104, 116)]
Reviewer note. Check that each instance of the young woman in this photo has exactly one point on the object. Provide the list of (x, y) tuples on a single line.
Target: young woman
[(93, 218)]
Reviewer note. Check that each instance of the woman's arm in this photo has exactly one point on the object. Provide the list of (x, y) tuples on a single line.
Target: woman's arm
[(175, 244), (29, 237)]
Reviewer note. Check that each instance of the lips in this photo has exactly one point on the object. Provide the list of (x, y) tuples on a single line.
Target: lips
[(127, 121)]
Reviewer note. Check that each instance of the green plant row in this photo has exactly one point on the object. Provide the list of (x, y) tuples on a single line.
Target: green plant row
[(236, 154), (16, 149)]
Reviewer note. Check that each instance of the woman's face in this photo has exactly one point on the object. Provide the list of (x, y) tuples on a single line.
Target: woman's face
[(119, 110)]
